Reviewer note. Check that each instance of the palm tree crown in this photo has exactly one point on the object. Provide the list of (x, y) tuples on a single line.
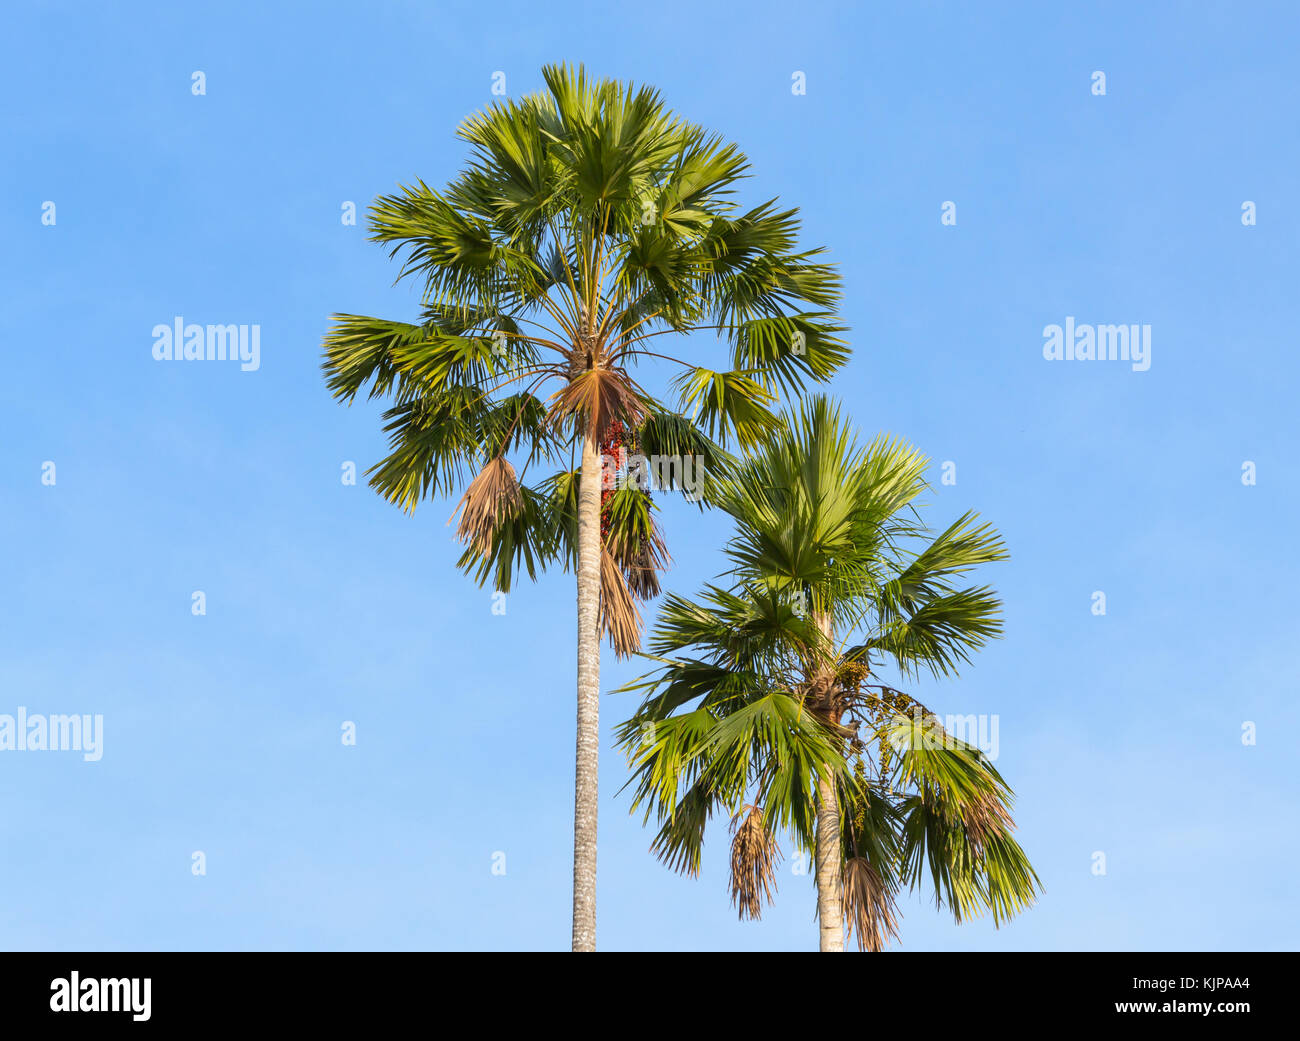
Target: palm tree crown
[(589, 223), (770, 702)]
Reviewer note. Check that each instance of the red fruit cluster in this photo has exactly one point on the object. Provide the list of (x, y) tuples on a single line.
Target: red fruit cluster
[(616, 436)]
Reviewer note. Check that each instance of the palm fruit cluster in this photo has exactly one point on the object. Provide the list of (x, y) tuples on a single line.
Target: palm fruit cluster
[(617, 437)]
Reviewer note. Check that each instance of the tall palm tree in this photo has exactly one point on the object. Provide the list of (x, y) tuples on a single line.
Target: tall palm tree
[(589, 222), (775, 699)]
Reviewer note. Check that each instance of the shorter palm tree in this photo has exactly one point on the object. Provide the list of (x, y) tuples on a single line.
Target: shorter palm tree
[(769, 704)]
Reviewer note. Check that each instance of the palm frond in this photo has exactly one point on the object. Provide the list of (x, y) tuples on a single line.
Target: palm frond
[(755, 855)]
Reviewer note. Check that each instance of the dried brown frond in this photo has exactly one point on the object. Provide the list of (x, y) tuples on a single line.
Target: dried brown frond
[(491, 497), (619, 618), (597, 397), (985, 817), (581, 359), (754, 858), (869, 906)]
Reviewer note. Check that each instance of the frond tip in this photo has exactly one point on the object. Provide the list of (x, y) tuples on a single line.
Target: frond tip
[(754, 857), (868, 905), (490, 498), (619, 618)]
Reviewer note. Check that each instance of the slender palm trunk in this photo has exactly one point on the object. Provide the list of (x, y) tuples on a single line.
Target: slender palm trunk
[(830, 876), (830, 897), (588, 750)]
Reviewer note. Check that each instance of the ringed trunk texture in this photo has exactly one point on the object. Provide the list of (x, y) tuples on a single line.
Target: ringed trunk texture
[(588, 747), (830, 895), (830, 875)]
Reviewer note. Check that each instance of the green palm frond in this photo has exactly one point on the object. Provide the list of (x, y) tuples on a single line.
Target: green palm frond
[(768, 684), (725, 403), (588, 220), (528, 537)]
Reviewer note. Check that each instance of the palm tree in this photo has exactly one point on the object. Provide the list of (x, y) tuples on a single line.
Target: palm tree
[(770, 702), (589, 222)]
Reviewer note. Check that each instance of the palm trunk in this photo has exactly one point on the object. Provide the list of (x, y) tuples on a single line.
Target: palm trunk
[(830, 898), (830, 876), (588, 750)]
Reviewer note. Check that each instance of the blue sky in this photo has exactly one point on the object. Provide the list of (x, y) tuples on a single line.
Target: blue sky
[(1121, 733)]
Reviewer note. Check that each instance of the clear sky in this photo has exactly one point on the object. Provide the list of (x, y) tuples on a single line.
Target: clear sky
[(1122, 733)]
